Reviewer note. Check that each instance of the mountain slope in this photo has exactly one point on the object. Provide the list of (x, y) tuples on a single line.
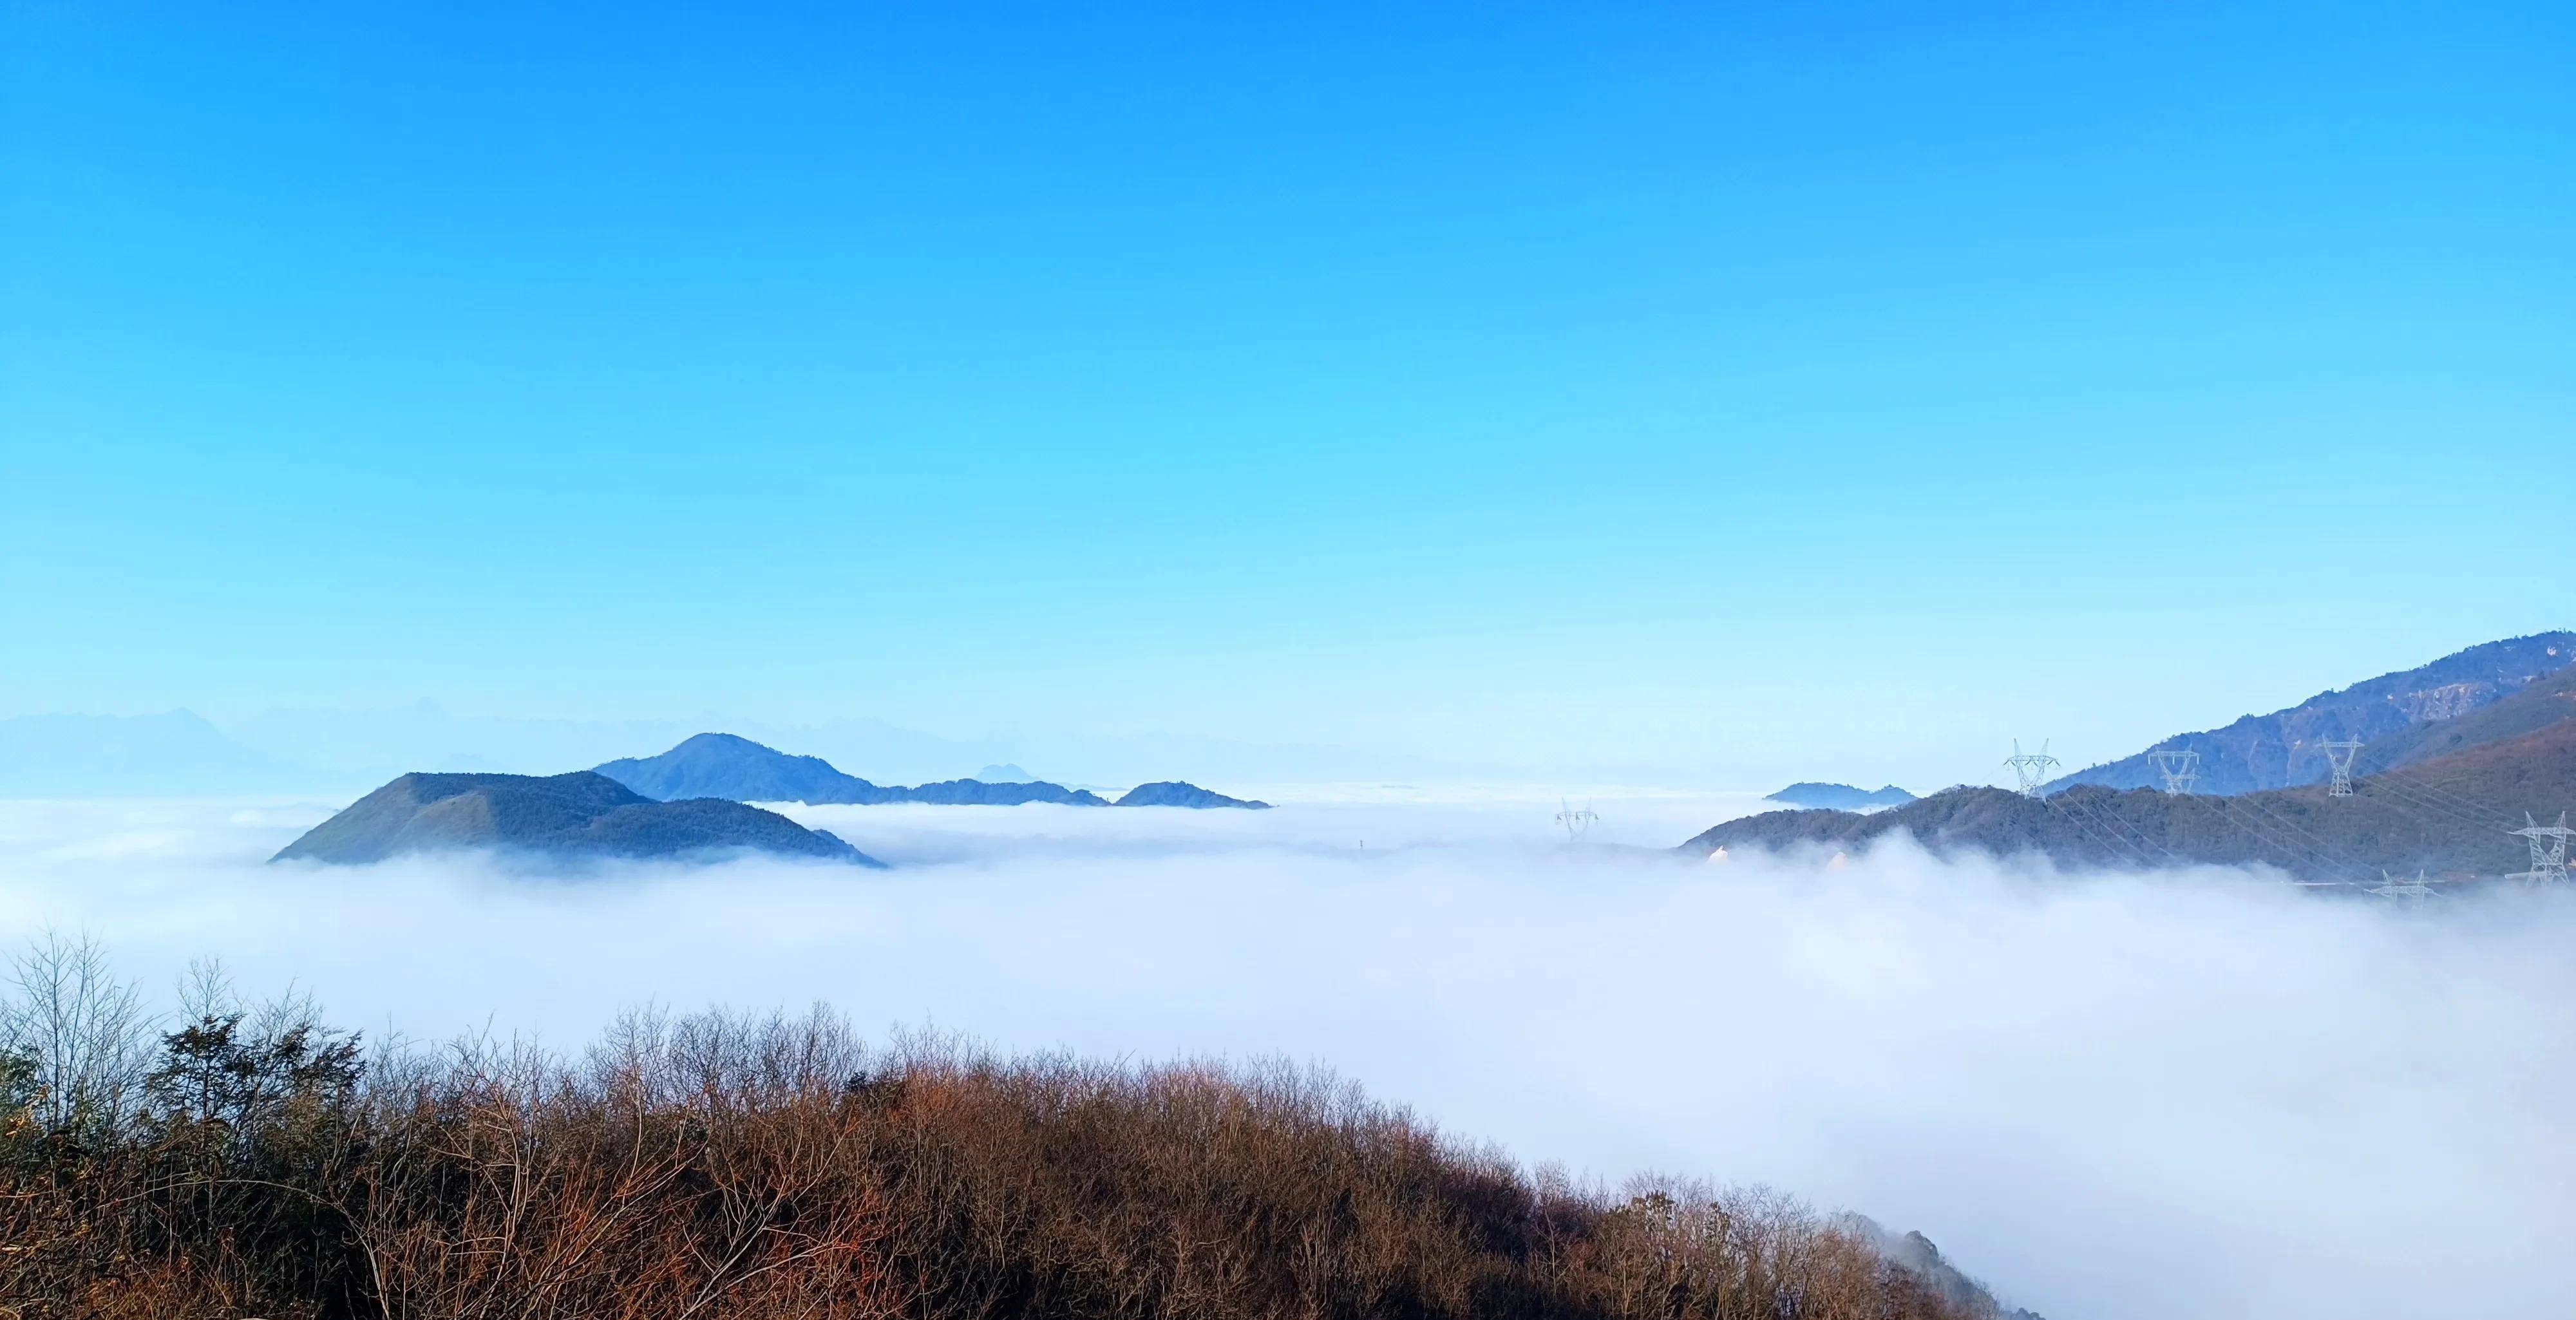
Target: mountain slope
[(2280, 750), (575, 815), (2542, 703), (2445, 816), (721, 765)]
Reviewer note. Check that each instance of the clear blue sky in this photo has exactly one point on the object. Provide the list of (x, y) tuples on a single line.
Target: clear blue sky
[(1588, 385)]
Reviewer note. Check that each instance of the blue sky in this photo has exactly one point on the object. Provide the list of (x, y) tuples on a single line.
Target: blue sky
[(1732, 391)]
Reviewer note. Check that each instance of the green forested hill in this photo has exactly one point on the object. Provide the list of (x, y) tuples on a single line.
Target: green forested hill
[(2448, 815)]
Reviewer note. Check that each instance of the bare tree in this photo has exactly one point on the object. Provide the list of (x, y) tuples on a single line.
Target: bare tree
[(81, 1035)]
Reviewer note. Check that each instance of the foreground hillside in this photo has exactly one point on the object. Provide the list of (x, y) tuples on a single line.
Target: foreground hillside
[(575, 815), (258, 1163), (2447, 816), (2281, 750)]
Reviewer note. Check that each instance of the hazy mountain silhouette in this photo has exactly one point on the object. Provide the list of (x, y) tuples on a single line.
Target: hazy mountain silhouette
[(572, 815), (111, 755), (1840, 797), (1174, 793), (725, 766)]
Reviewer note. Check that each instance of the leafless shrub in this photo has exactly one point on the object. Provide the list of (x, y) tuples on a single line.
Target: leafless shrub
[(741, 1167)]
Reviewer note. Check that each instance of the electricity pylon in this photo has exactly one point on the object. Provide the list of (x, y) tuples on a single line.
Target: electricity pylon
[(2413, 891), (2179, 766), (2548, 848), (2031, 768), (1575, 822), (2339, 754)]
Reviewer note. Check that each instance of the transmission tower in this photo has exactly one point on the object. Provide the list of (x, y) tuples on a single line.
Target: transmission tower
[(2411, 891), (2548, 848), (2178, 766), (1576, 823), (2339, 754), (2031, 768)]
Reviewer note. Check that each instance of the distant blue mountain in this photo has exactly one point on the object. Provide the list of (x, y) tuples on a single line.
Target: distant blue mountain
[(576, 815), (721, 765), (1005, 773), (1840, 797), (1174, 793)]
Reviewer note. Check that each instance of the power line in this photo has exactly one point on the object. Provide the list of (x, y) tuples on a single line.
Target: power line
[(2396, 889), (2427, 789), (2301, 857), (2322, 846), (2112, 842), (2399, 794)]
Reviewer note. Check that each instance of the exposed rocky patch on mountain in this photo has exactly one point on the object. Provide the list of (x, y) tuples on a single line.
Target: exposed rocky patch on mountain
[(573, 815)]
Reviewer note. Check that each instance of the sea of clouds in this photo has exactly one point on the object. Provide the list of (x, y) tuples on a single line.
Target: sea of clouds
[(2200, 1093)]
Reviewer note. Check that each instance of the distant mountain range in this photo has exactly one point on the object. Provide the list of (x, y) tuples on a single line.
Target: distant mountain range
[(2280, 750), (572, 815), (175, 753), (1840, 797), (721, 765), (2438, 793)]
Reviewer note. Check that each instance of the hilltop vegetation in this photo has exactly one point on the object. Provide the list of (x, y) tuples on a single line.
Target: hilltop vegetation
[(253, 1161)]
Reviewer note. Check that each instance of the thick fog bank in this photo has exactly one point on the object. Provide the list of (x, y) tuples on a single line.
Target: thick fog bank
[(2195, 1093)]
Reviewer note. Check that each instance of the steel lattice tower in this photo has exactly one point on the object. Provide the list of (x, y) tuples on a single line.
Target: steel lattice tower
[(2413, 891), (1576, 823), (2179, 766), (2548, 848), (2031, 768), (2339, 754)]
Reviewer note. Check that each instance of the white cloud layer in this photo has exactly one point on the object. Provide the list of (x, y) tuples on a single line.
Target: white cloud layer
[(2113, 1097)]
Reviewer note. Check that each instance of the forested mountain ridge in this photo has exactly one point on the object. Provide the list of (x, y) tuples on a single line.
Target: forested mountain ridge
[(2282, 749), (2447, 817), (573, 815)]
